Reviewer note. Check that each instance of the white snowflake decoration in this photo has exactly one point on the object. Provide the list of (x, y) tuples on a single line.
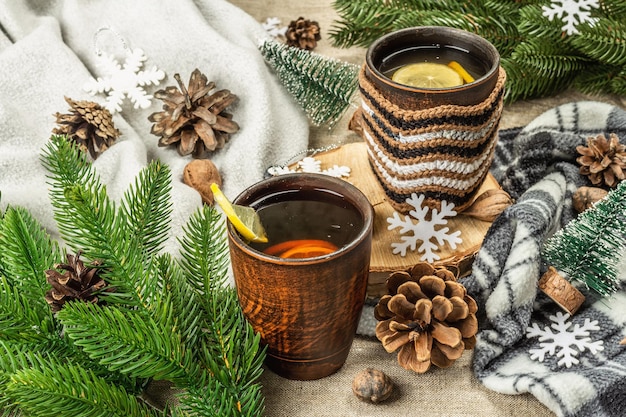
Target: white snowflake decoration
[(273, 28), (564, 340), (424, 230), (123, 81), (311, 165), (572, 13)]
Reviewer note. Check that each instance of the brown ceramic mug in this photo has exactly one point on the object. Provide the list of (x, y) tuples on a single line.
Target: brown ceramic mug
[(306, 310)]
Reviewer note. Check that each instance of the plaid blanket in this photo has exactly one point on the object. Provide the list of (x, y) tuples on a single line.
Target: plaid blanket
[(574, 365)]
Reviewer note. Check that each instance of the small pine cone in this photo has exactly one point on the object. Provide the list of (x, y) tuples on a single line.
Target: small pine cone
[(428, 316), (303, 33), (89, 125), (193, 119), (603, 160), (77, 282)]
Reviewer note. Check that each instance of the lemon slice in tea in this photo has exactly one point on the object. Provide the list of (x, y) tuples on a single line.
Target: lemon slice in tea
[(427, 75), (244, 219), (467, 77)]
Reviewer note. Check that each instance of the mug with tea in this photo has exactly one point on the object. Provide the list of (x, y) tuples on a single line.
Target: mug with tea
[(304, 289), (431, 101)]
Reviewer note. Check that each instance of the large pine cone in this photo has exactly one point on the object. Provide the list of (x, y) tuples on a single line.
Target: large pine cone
[(193, 118), (303, 33), (89, 125), (77, 282), (428, 316), (603, 160)]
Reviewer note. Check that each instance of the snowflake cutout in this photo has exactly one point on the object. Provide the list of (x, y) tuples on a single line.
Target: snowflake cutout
[(124, 81), (424, 230), (273, 28), (311, 165), (572, 13), (564, 339)]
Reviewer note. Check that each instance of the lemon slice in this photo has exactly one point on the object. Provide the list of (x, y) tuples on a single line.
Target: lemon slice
[(427, 75), (244, 219), (467, 77)]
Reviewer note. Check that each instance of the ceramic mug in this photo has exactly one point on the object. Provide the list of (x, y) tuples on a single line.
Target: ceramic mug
[(306, 310)]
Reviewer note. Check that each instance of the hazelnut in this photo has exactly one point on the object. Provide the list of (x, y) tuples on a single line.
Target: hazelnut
[(200, 174), (372, 385)]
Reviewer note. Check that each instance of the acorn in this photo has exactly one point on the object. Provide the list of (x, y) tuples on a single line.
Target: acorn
[(372, 385)]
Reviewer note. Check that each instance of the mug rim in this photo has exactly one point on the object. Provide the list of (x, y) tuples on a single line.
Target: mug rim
[(358, 200), (416, 30)]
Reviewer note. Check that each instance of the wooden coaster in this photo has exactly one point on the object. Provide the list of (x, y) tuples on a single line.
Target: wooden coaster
[(383, 261), (561, 291)]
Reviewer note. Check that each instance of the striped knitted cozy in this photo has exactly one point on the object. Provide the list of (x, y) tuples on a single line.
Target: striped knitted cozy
[(442, 152)]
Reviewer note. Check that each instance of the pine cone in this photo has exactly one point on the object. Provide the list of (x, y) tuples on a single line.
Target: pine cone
[(77, 282), (89, 125), (428, 316), (303, 34), (192, 118), (603, 160)]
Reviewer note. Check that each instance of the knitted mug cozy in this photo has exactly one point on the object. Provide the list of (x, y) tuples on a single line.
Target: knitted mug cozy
[(443, 152)]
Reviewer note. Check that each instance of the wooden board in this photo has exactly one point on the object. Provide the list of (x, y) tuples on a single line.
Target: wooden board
[(383, 261)]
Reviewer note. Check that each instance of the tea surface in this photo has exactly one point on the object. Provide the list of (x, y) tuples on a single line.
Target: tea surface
[(292, 217), (432, 54)]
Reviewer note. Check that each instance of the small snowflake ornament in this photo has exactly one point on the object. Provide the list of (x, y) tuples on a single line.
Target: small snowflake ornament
[(565, 343), (572, 13), (124, 81), (425, 230), (273, 28)]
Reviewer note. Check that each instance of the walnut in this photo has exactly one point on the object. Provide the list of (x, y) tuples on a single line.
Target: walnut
[(585, 197), (372, 385), (200, 174)]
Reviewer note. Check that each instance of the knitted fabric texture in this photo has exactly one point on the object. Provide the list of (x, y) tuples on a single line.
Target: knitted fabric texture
[(442, 152)]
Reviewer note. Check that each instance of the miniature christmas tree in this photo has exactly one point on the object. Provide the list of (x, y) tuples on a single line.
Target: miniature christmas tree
[(590, 248), (545, 46), (323, 86), (160, 317)]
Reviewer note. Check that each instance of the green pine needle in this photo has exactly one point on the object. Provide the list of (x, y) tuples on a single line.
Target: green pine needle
[(322, 86), (590, 248)]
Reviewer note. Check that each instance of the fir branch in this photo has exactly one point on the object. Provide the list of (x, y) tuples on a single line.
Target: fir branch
[(27, 252), (605, 41), (146, 208), (53, 389), (21, 318), (204, 250), (130, 342), (322, 86), (230, 349), (590, 248)]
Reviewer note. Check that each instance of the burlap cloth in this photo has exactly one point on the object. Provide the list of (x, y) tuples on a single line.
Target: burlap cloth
[(449, 392)]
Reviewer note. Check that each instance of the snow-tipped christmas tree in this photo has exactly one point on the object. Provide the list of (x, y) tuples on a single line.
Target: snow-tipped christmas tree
[(591, 247), (323, 86)]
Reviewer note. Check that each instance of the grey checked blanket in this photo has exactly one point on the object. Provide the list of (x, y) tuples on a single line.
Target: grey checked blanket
[(537, 167), (526, 343)]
